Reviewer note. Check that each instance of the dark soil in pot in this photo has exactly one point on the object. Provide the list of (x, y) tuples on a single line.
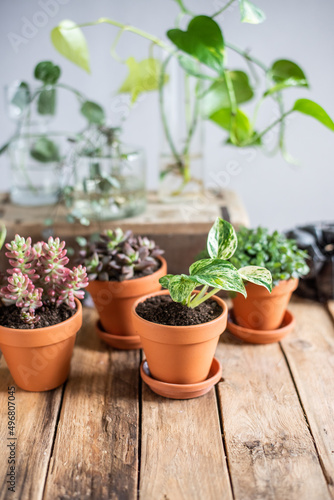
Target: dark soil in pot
[(162, 310), (49, 315)]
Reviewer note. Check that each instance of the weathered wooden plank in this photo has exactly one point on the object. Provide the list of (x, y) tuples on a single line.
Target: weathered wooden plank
[(182, 454), (96, 450), (310, 353), (35, 422), (270, 450), (192, 217)]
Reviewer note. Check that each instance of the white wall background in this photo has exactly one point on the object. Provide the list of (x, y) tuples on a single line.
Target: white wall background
[(275, 194)]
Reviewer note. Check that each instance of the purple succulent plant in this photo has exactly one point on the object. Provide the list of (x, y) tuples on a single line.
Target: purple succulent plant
[(119, 256)]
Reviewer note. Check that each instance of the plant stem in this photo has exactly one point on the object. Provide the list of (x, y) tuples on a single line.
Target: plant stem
[(177, 157), (233, 103), (246, 56), (131, 29), (222, 9), (272, 125), (196, 302), (198, 295)]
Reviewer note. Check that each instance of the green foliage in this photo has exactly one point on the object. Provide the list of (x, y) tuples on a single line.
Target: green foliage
[(311, 108), (47, 72), (143, 77), (45, 150), (274, 251), (69, 40), (93, 112), (285, 74), (203, 40), (215, 272), (217, 96)]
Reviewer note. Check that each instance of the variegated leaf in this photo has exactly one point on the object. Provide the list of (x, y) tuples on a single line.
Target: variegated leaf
[(164, 281), (222, 240), (180, 287), (258, 275), (217, 273)]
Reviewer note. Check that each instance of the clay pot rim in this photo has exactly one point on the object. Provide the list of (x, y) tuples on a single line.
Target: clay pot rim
[(39, 337), (220, 301)]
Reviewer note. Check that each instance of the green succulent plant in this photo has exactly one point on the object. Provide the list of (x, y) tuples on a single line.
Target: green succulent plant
[(274, 251)]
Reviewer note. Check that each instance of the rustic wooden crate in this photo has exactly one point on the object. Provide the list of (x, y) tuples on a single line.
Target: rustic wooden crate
[(179, 228)]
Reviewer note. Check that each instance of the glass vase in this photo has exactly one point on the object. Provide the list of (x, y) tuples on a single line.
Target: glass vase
[(181, 174), (108, 177)]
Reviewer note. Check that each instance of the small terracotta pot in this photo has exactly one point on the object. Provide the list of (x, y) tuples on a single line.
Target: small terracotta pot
[(179, 354), (114, 299), (39, 360), (262, 310)]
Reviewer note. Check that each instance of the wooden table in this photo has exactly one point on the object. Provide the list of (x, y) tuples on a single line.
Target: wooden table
[(265, 432)]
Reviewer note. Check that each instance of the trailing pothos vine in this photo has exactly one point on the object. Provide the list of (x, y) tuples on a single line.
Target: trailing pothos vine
[(200, 49)]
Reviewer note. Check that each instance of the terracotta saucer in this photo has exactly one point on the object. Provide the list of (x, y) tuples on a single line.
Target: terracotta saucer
[(182, 391), (261, 336), (118, 341)]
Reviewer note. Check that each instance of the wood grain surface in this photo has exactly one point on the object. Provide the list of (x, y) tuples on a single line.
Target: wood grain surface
[(182, 455), (271, 454), (310, 353), (96, 449)]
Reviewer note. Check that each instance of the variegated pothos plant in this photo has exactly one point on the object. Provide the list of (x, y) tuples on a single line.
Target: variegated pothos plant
[(216, 272)]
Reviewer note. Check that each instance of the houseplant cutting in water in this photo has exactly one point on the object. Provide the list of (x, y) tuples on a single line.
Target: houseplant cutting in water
[(121, 267), (40, 312), (179, 328), (260, 310), (212, 90)]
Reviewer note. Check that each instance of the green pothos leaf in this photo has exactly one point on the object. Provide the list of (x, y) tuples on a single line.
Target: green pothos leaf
[(203, 40), (70, 41), (164, 281), (143, 77), (222, 240), (258, 275), (311, 108)]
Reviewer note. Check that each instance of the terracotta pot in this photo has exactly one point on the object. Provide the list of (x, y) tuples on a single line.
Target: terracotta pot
[(39, 360), (262, 310), (179, 354), (114, 299)]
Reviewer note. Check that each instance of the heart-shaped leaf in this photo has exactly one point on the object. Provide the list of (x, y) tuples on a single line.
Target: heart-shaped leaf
[(47, 72), (217, 96), (45, 150), (240, 127), (283, 69), (70, 41), (311, 108), (258, 275), (222, 240), (143, 77), (203, 40), (93, 112), (250, 13)]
